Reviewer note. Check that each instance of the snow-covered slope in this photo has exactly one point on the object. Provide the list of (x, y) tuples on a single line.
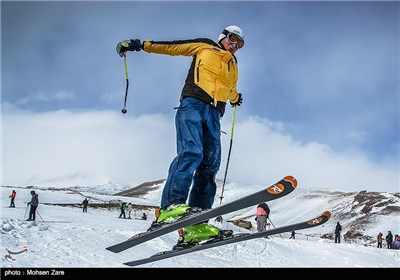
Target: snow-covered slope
[(67, 237)]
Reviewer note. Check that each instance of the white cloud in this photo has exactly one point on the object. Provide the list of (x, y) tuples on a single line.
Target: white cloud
[(47, 96), (267, 154)]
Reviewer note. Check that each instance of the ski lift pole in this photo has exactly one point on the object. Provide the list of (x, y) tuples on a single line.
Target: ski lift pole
[(229, 154)]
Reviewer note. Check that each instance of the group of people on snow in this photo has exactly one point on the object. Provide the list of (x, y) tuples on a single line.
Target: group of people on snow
[(391, 243), (33, 203), (124, 207)]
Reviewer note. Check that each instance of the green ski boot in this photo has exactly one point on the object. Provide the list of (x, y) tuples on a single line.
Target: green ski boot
[(195, 234), (173, 213)]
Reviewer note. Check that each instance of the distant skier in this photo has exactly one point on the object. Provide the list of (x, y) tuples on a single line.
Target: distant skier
[(262, 216), (144, 217), (338, 231), (122, 207), (12, 196), (85, 203), (34, 203), (293, 235), (389, 239), (396, 243), (129, 209), (379, 239)]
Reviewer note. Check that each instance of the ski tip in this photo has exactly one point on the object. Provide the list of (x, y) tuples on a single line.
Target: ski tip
[(114, 249), (292, 180), (321, 219), (327, 214)]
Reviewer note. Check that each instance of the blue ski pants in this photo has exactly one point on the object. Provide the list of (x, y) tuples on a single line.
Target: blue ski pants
[(198, 155)]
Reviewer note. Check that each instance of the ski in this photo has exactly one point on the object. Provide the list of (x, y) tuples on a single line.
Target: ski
[(232, 239), (277, 190)]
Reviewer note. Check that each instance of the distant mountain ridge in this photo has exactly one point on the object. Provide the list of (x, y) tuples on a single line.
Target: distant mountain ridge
[(362, 214)]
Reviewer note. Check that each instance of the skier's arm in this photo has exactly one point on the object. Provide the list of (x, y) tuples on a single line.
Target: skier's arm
[(177, 47), (180, 47)]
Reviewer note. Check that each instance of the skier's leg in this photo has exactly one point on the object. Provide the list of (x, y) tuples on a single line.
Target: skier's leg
[(30, 213), (204, 186), (34, 212), (188, 122)]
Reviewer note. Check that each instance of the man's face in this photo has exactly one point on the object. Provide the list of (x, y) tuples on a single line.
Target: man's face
[(232, 48)]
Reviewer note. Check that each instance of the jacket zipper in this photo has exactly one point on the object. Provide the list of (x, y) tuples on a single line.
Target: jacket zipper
[(198, 70)]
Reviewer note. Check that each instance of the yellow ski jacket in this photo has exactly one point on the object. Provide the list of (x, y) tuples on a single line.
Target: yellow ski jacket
[(213, 74)]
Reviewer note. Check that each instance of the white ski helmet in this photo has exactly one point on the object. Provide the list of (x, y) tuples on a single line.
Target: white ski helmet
[(231, 29)]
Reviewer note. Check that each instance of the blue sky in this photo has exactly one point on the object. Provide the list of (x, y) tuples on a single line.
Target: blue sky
[(322, 75)]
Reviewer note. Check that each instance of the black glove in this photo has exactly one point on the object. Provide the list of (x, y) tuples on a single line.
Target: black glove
[(255, 219), (238, 102), (128, 45), (28, 203)]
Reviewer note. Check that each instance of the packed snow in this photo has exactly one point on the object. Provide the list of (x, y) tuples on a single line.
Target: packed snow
[(66, 237)]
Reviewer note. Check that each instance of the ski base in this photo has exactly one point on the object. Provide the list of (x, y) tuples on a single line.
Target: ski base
[(323, 218)]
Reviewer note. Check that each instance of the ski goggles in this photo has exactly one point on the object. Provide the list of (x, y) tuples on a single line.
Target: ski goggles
[(235, 40)]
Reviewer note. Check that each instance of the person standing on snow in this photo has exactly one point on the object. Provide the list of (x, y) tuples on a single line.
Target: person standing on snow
[(396, 243), (85, 203), (389, 239), (211, 82), (129, 209), (262, 216), (338, 230), (379, 239), (12, 196), (122, 207), (34, 203)]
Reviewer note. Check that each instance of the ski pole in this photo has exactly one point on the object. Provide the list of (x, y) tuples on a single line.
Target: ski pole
[(127, 84), (26, 210), (274, 226), (229, 154), (39, 215)]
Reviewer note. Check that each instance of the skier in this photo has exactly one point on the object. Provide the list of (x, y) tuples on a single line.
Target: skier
[(129, 209), (293, 235), (389, 239), (144, 217), (34, 203), (262, 216), (12, 196), (211, 82), (85, 203), (396, 243), (379, 239), (338, 230), (122, 207)]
